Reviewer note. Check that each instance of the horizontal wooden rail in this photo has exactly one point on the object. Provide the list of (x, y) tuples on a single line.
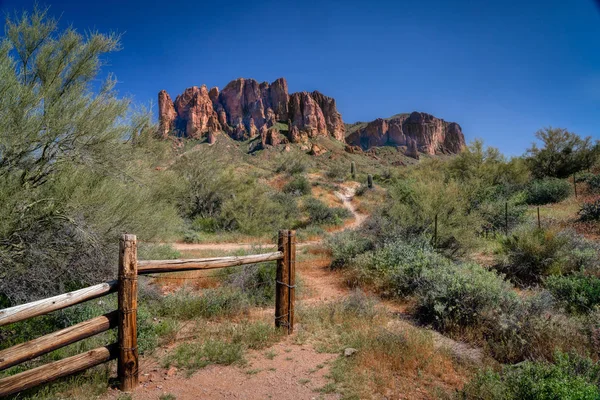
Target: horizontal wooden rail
[(152, 266), (45, 344), (45, 306), (57, 369)]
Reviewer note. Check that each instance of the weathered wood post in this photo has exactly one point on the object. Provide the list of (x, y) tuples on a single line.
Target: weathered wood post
[(291, 279), (370, 181), (127, 322), (282, 280)]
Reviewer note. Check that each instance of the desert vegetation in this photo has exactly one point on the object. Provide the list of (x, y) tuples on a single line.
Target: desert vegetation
[(456, 243)]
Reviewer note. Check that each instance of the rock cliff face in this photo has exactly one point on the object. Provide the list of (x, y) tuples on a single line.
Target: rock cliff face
[(419, 132), (244, 107)]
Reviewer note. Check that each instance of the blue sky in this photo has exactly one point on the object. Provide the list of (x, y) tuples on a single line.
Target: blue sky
[(502, 69)]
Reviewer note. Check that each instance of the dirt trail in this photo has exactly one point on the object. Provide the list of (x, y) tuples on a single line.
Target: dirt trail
[(346, 196)]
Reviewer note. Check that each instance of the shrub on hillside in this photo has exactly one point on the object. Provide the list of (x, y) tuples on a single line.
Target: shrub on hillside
[(590, 211), (256, 281), (455, 296), (414, 204), (529, 254), (346, 245), (593, 182), (531, 328), (571, 377), (577, 293), (320, 213), (397, 267), (298, 186), (550, 190)]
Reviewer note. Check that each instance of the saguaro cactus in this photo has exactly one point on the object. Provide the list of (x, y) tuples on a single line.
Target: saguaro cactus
[(370, 181), (353, 169)]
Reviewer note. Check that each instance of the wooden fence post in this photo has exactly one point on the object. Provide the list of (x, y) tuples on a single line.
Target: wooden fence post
[(127, 321), (291, 278), (282, 280)]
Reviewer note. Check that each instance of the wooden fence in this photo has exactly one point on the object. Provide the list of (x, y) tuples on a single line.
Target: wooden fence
[(125, 317)]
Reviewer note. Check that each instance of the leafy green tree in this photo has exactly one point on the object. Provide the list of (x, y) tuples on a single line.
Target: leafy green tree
[(563, 153), (71, 178)]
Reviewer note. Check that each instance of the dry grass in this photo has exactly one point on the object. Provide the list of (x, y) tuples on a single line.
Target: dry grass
[(393, 360)]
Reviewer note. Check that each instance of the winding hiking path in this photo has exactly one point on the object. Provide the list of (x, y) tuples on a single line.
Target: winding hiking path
[(345, 196)]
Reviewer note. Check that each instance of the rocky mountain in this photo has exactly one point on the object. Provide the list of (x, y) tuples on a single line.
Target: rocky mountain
[(416, 132), (245, 109)]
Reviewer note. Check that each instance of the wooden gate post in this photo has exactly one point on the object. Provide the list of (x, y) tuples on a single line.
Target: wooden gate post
[(127, 321), (282, 279), (291, 278)]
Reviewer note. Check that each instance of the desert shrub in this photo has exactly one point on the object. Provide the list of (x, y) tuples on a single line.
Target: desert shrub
[(550, 190), (337, 172), (397, 267), (577, 293), (321, 214), (494, 214), (256, 281), (590, 211), (185, 304), (190, 236), (361, 190), (564, 153), (346, 245), (414, 204), (593, 182), (529, 254), (569, 377), (151, 251), (531, 328), (455, 296), (205, 224), (292, 166), (298, 186)]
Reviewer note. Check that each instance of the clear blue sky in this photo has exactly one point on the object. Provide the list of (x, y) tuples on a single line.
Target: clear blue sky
[(502, 69)]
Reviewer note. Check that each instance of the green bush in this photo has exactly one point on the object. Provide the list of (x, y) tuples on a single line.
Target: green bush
[(346, 245), (590, 211), (570, 378), (321, 214), (397, 267), (530, 328), (550, 190), (256, 281), (298, 186), (577, 293), (454, 296), (593, 182), (529, 254)]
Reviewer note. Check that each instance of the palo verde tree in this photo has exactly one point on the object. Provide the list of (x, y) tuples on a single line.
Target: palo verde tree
[(70, 178), (563, 153)]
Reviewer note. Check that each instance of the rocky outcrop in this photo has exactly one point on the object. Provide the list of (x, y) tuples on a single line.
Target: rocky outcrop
[(166, 113), (306, 115), (244, 106), (419, 132), (194, 108), (333, 119)]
